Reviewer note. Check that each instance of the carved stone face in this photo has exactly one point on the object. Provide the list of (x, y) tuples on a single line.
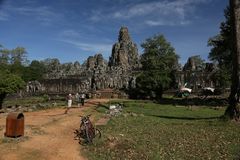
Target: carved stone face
[(123, 35), (96, 73)]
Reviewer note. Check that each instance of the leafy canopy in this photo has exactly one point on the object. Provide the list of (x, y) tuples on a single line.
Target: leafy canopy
[(159, 60), (10, 83), (222, 50), (34, 71)]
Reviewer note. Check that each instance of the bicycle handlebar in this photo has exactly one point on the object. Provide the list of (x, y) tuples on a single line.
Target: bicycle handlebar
[(85, 116)]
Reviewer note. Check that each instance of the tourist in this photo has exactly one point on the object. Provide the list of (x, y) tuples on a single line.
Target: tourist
[(77, 96), (69, 100), (82, 97)]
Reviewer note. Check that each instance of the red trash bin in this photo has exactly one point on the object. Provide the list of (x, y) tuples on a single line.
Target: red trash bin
[(14, 125)]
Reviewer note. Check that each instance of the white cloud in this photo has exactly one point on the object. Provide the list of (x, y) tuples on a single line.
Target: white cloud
[(85, 42), (92, 47), (44, 14), (165, 12), (164, 8), (158, 23), (70, 33), (164, 23), (85, 33)]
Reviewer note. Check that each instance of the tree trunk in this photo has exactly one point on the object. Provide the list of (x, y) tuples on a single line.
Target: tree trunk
[(232, 111), (2, 97)]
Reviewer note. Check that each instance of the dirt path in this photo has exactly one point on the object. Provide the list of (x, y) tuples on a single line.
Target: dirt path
[(48, 135)]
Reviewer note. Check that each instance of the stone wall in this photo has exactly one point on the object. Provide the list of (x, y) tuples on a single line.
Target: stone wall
[(196, 77), (119, 72), (95, 73)]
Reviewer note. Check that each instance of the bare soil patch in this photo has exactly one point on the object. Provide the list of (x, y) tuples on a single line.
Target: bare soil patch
[(48, 135)]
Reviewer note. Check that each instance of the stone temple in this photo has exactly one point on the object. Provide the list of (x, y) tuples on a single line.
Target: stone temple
[(98, 76), (95, 73)]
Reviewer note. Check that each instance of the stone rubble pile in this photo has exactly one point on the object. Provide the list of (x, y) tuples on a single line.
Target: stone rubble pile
[(115, 110)]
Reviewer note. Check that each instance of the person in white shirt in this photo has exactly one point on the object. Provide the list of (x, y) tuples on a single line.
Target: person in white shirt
[(82, 98), (69, 100), (77, 96)]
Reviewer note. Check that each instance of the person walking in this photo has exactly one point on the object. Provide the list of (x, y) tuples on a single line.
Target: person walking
[(82, 98), (69, 102), (77, 96)]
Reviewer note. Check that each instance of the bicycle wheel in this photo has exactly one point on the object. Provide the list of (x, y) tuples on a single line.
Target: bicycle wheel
[(78, 136), (89, 135), (82, 130)]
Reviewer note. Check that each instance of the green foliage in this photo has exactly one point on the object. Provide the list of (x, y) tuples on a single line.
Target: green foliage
[(222, 50), (166, 132), (46, 97), (4, 56), (152, 83), (158, 54), (10, 83), (16, 62), (51, 64), (13, 60), (159, 60), (10, 74), (17, 69), (14, 69), (34, 71), (223, 77), (14, 56), (18, 56)]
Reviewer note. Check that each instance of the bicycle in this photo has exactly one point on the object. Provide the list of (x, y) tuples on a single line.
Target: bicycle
[(86, 130)]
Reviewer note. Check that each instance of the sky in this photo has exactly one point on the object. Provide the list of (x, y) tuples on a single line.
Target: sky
[(72, 30)]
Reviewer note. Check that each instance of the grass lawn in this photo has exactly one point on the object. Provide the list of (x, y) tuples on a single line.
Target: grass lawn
[(157, 131)]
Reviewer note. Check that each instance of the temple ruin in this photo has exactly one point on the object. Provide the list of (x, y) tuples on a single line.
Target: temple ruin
[(97, 75), (195, 76)]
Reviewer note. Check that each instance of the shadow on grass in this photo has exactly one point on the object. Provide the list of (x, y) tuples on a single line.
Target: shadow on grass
[(93, 103), (102, 106), (212, 102), (186, 118)]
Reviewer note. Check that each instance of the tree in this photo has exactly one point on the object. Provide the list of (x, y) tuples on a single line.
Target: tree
[(18, 60), (233, 111), (222, 50), (11, 70), (159, 61), (52, 64), (4, 56), (18, 56), (9, 83), (221, 77), (34, 71)]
